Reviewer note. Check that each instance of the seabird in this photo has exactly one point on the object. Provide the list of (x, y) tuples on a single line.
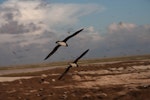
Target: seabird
[(73, 64), (62, 43)]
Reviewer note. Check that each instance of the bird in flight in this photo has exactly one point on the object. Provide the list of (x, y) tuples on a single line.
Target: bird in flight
[(73, 64), (62, 43)]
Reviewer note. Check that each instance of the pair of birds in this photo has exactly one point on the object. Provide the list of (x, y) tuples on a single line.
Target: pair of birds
[(64, 43)]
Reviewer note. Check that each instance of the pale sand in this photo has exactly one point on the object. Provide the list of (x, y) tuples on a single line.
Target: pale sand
[(9, 79)]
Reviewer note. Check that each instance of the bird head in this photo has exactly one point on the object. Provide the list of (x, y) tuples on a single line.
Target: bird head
[(57, 41)]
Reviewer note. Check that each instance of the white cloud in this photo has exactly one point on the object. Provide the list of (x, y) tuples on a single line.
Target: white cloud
[(120, 26), (125, 38), (51, 15), (26, 13), (89, 36), (30, 16), (33, 24)]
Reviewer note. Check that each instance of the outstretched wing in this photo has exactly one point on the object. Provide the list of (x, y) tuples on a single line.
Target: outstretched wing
[(81, 55), (72, 35), (64, 72), (52, 52)]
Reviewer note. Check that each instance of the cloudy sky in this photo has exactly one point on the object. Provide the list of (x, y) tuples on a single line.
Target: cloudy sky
[(30, 28)]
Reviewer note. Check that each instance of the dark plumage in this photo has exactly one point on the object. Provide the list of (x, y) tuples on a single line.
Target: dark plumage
[(62, 43), (73, 64)]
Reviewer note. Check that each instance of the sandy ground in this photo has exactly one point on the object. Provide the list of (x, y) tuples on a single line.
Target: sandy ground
[(5, 72), (127, 80), (9, 79)]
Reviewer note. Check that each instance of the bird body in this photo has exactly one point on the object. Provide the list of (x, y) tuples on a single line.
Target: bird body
[(62, 43), (73, 64)]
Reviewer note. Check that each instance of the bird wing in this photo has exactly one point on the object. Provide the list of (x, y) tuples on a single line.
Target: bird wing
[(52, 52), (72, 35), (64, 72), (81, 55)]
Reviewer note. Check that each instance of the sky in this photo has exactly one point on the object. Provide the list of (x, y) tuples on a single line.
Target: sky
[(30, 28)]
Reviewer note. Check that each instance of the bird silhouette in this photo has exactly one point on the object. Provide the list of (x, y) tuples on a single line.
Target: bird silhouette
[(73, 64), (62, 43)]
